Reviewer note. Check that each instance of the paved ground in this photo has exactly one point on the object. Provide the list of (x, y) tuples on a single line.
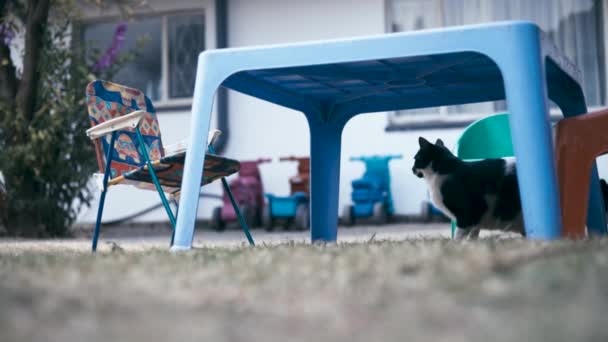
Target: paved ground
[(345, 234), (139, 237), (235, 237)]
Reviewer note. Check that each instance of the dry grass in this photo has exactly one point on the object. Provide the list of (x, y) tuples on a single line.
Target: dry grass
[(420, 290)]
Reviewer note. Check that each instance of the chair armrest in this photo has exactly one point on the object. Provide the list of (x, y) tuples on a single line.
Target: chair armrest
[(130, 120), (213, 135), (182, 145), (176, 148)]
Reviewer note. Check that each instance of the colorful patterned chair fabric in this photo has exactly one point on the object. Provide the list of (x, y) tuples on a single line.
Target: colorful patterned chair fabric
[(107, 101), (130, 162)]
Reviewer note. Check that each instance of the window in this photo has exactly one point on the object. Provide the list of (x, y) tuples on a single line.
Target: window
[(575, 26), (165, 67)]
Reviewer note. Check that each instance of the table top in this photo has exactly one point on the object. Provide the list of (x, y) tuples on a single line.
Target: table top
[(386, 84), (357, 83)]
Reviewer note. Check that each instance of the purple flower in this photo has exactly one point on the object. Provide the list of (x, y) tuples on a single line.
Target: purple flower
[(112, 52), (6, 34)]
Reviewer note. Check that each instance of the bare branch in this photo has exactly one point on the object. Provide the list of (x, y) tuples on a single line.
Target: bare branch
[(8, 78), (37, 15)]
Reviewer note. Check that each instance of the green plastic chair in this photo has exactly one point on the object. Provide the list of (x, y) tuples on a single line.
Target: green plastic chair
[(489, 137)]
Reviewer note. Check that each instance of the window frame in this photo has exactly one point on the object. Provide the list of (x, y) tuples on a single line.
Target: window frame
[(162, 10), (442, 120)]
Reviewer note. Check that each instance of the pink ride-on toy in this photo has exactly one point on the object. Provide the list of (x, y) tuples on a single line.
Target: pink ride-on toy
[(249, 194)]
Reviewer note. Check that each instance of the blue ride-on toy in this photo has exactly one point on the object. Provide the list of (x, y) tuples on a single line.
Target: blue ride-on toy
[(371, 194), (295, 207)]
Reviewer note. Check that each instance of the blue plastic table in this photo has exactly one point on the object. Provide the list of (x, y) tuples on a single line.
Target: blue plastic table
[(332, 81)]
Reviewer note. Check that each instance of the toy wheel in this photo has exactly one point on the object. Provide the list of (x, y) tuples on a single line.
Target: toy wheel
[(348, 218), (287, 223), (267, 220), (216, 220), (380, 214), (302, 219)]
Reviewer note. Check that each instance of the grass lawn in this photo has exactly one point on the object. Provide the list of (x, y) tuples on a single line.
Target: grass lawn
[(412, 290)]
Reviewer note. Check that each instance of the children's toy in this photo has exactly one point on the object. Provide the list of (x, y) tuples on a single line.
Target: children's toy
[(295, 206), (248, 193), (129, 149), (372, 193)]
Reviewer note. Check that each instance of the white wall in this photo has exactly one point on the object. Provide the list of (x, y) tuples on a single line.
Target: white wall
[(125, 200), (260, 129)]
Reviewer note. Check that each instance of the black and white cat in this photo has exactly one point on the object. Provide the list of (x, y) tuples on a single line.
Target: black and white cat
[(477, 195)]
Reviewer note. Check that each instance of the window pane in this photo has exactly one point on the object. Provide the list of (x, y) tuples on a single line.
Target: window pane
[(413, 16), (186, 42), (575, 26), (143, 73)]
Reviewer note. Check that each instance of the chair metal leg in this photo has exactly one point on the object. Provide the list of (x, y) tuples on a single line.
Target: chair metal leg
[(242, 221), (106, 175), (238, 213), (161, 193), (102, 199), (175, 201)]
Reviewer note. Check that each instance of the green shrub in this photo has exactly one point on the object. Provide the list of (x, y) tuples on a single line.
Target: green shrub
[(46, 159)]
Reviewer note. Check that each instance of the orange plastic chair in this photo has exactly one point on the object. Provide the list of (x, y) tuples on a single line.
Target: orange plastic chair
[(579, 140)]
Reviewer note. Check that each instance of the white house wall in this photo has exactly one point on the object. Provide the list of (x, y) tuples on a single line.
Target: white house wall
[(125, 200), (259, 129)]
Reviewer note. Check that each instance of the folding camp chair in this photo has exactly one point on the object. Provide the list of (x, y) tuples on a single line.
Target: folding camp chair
[(129, 149)]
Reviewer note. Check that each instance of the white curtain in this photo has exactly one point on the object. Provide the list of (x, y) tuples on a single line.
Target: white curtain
[(574, 26)]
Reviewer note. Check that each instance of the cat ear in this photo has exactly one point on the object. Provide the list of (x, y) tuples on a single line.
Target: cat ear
[(423, 142), (439, 142)]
